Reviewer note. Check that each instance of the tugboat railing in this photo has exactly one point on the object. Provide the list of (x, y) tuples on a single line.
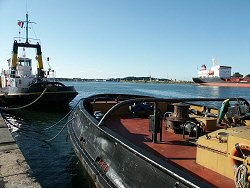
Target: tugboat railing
[(23, 40)]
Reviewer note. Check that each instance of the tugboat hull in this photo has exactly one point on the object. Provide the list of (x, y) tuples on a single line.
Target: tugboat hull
[(54, 95), (117, 149), (112, 163)]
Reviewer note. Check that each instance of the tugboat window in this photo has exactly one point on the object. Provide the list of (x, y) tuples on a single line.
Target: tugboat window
[(27, 63), (24, 63)]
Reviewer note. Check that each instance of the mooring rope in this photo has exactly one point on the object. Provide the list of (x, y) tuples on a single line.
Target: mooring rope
[(62, 118), (43, 140), (25, 106), (60, 130), (241, 177)]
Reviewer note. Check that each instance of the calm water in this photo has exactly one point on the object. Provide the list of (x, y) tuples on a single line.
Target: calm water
[(54, 164)]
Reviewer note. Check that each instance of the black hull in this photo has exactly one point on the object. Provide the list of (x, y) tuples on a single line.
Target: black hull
[(200, 80), (53, 96), (220, 82), (122, 163)]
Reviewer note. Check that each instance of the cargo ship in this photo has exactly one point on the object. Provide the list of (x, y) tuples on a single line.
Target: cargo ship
[(19, 86), (220, 76), (140, 141)]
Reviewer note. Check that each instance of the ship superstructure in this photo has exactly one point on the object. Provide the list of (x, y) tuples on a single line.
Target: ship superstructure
[(219, 75)]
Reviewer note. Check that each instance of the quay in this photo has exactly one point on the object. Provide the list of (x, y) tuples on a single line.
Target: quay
[(14, 170)]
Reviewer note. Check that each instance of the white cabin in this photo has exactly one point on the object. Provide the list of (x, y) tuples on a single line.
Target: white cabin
[(215, 71), (24, 68), (23, 74)]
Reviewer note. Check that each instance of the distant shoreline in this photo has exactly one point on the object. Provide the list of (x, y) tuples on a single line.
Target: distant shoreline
[(128, 79)]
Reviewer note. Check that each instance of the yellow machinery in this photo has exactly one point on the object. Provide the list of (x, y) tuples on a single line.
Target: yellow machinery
[(226, 151)]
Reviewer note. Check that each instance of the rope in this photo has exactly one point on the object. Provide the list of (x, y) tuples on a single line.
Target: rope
[(49, 140), (241, 177), (25, 106), (62, 118), (24, 130), (60, 130)]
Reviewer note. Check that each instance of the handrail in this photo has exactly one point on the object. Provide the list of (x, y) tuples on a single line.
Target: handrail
[(23, 39)]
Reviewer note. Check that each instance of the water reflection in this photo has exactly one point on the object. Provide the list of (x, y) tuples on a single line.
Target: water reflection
[(219, 92)]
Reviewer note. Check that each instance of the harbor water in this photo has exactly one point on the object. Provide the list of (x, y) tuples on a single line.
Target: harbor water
[(54, 163)]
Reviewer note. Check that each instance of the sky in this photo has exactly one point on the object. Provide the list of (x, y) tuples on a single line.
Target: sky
[(119, 38)]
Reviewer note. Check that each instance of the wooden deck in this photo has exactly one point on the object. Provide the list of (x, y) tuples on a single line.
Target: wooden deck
[(172, 148)]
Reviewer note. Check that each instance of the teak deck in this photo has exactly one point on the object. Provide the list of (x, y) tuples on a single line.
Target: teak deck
[(173, 148)]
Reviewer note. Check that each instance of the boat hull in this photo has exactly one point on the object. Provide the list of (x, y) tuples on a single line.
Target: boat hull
[(220, 82), (53, 96), (112, 161)]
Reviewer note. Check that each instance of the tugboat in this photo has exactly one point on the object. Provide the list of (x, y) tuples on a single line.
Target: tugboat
[(220, 76), (138, 141), (19, 86)]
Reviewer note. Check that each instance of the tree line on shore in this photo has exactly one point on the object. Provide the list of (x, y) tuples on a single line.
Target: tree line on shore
[(127, 79), (237, 74)]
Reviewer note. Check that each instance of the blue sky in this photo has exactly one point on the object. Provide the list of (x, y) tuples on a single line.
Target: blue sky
[(119, 38)]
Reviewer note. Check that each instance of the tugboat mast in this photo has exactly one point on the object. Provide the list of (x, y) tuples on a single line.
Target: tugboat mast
[(27, 26)]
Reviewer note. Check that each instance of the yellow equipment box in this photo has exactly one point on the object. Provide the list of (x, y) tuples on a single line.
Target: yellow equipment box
[(209, 122), (217, 150)]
